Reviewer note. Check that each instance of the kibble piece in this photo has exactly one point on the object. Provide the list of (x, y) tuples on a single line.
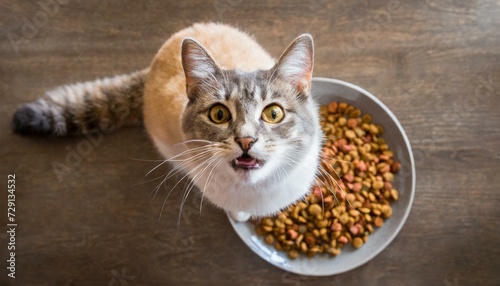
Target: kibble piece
[(389, 177), (332, 107), (303, 247), (343, 239), (316, 232), (336, 226), (357, 242), (354, 213), (344, 218), (322, 223), (299, 239), (351, 197), (378, 222), (292, 234), (342, 107), (352, 123), (315, 209), (355, 113), (350, 134), (302, 205), (293, 254), (323, 231), (279, 224), (365, 210), (310, 240), (268, 222), (342, 121), (354, 230), (377, 185), (394, 194), (267, 228), (371, 197), (395, 167), (269, 239), (334, 251), (366, 118), (386, 211), (368, 217)]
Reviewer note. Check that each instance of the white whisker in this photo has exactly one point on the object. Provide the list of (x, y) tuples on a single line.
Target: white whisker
[(146, 160), (184, 164), (327, 179), (341, 189), (175, 170), (195, 140), (192, 184), (186, 175)]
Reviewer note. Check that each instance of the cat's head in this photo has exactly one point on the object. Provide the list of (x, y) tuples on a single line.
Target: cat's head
[(260, 124)]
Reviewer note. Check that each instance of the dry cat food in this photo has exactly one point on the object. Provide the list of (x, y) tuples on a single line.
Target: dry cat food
[(353, 191)]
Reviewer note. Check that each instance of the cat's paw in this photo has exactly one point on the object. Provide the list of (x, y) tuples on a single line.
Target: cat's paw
[(240, 216)]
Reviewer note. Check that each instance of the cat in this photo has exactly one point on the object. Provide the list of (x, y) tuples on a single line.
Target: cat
[(242, 126)]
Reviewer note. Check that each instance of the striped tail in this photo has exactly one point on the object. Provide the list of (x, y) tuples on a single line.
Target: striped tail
[(104, 104)]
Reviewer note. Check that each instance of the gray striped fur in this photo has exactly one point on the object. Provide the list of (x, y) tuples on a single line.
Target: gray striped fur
[(103, 104)]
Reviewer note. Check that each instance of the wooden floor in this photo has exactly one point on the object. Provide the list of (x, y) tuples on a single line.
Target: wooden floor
[(436, 65)]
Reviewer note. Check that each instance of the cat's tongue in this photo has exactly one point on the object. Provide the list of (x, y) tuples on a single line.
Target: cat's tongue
[(247, 162)]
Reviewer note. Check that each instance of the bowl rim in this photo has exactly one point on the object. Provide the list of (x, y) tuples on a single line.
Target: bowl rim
[(412, 189)]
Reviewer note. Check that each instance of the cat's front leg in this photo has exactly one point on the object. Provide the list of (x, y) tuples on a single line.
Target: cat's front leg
[(240, 216)]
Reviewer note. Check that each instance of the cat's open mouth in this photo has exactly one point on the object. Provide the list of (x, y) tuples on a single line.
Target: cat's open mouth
[(246, 162)]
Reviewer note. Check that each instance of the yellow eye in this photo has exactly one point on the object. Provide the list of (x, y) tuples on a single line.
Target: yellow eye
[(219, 114), (273, 113)]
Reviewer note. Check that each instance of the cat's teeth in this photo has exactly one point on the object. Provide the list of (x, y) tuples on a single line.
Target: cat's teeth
[(247, 162)]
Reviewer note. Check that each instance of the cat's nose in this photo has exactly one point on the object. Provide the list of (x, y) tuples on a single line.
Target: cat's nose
[(245, 142)]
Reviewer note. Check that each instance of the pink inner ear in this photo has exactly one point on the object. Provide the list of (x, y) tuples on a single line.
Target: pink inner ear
[(305, 84), (299, 73)]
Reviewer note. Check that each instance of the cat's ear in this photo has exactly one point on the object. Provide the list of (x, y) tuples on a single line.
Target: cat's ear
[(199, 67), (296, 64)]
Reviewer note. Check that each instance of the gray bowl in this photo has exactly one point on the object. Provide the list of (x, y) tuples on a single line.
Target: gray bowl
[(324, 91)]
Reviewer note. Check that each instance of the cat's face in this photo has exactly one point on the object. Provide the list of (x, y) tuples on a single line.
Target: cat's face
[(255, 126)]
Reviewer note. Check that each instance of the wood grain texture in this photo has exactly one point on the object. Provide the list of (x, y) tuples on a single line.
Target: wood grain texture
[(436, 64)]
